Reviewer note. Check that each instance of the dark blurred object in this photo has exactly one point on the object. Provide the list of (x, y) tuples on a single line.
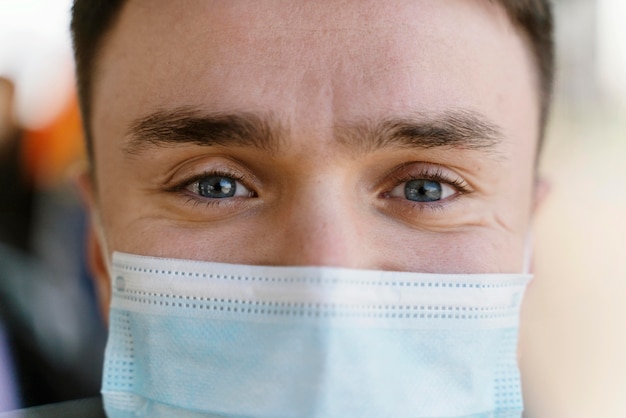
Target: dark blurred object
[(54, 335), (53, 353), (82, 408), (16, 191)]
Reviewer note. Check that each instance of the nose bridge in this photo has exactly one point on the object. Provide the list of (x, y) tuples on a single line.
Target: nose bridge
[(321, 224)]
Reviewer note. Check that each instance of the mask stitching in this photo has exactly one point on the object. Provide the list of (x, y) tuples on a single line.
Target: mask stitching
[(310, 280), (267, 309)]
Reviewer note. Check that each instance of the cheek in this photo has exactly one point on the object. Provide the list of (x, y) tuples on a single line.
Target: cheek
[(479, 250), (513, 207), (154, 236), (259, 241)]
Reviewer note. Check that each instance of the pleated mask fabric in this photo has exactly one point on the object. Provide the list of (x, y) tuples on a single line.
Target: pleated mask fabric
[(202, 339)]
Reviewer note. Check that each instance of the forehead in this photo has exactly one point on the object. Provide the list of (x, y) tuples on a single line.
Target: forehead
[(314, 63)]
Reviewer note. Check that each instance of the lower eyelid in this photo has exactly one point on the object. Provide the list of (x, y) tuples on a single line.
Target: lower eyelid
[(415, 212), (197, 202)]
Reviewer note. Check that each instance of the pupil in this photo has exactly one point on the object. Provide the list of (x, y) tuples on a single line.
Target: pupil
[(217, 187), (423, 190)]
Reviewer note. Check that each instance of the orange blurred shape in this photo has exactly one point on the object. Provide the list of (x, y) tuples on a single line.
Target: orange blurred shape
[(50, 152)]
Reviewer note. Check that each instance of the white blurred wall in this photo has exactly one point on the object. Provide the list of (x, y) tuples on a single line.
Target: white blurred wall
[(611, 44), (35, 52)]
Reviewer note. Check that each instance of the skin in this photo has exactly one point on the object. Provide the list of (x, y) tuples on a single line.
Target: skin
[(322, 74)]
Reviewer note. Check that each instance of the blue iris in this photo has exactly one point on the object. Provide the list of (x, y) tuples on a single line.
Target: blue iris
[(217, 187), (423, 190)]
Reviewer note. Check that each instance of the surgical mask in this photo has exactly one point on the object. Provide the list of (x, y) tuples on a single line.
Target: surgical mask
[(192, 339)]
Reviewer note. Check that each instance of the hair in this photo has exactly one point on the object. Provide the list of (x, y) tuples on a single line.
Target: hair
[(93, 19)]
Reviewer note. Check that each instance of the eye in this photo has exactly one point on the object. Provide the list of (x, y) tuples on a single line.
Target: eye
[(219, 187), (423, 190)]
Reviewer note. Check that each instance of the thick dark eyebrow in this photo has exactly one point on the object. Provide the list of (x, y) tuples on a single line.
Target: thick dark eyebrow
[(190, 126), (460, 129)]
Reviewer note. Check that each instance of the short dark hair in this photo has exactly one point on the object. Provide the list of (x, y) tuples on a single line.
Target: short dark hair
[(92, 19)]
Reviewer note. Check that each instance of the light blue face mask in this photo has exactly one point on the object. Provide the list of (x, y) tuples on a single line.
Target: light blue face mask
[(191, 339)]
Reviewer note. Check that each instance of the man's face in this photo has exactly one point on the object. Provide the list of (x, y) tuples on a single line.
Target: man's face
[(377, 135)]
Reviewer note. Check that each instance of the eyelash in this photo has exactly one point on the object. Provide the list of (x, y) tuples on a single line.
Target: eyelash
[(181, 187), (434, 174), (397, 177)]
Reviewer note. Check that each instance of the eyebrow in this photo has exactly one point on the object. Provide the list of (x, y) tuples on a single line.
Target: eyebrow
[(190, 126), (459, 129)]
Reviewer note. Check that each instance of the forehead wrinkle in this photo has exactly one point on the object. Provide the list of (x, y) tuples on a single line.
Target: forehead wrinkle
[(188, 125), (458, 129)]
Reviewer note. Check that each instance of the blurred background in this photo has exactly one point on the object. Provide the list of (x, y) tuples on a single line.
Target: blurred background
[(51, 338), (573, 338), (574, 320)]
